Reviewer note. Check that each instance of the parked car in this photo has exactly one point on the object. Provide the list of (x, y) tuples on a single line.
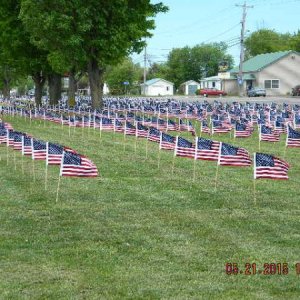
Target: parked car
[(211, 92), (256, 92), (296, 90)]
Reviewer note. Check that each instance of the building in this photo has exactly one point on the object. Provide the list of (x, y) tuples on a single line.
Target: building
[(277, 72), (157, 87), (189, 87), (213, 82)]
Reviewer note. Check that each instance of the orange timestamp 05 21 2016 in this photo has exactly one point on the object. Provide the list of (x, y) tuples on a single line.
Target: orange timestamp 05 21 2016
[(264, 269)]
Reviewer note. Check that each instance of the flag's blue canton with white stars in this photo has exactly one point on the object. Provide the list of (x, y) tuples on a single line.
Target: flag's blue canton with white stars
[(27, 141), (184, 143), (204, 144), (118, 123), (240, 127), (297, 119), (18, 136), (264, 160), (154, 131), (39, 145), (204, 123), (106, 121), (141, 127), (293, 134), (228, 149), (168, 138), (279, 124), (55, 149), (11, 134), (217, 124), (129, 125), (71, 159), (3, 132), (266, 130)]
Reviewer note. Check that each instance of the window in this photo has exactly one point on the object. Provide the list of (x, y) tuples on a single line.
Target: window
[(213, 84), (272, 84), (167, 88)]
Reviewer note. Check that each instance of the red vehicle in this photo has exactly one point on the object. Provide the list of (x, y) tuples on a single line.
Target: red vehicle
[(211, 92)]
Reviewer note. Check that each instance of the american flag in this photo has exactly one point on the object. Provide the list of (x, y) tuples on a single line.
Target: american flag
[(74, 164), (207, 149), (38, 149), (141, 130), (172, 126), (154, 135), (204, 127), (167, 141), (17, 144), (161, 124), (269, 166), (267, 134), (233, 156), (10, 138), (241, 130), (292, 138), (3, 135), (296, 120), (54, 154), (26, 145), (219, 127), (184, 148), (118, 126), (129, 128), (279, 127), (106, 124)]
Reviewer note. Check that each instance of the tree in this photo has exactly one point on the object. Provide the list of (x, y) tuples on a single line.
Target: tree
[(266, 41), (124, 72), (94, 33), (18, 56), (195, 63)]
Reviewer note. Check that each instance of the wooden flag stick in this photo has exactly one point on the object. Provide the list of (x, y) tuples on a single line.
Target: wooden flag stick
[(7, 154), (216, 179), (33, 170), (124, 141), (146, 148), (57, 190), (22, 162), (254, 190), (15, 163), (194, 173), (46, 177), (158, 160), (173, 164), (135, 144)]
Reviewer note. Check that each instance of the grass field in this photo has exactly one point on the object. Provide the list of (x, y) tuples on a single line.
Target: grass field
[(141, 232)]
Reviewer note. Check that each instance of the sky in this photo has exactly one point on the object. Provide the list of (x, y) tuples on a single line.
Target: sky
[(192, 22)]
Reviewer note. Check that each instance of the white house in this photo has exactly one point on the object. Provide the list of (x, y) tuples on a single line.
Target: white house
[(157, 87), (213, 82), (190, 87)]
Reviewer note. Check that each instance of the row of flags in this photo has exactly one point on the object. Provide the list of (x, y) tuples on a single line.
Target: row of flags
[(71, 162)]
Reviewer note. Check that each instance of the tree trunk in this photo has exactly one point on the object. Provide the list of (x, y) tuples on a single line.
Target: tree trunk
[(6, 89), (39, 81), (55, 86), (95, 79), (72, 89)]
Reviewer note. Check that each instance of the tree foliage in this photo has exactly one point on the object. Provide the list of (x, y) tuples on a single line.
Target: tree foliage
[(89, 32), (197, 62), (267, 41), (124, 72)]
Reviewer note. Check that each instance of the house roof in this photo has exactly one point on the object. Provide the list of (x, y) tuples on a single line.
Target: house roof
[(261, 61), (190, 82), (154, 80)]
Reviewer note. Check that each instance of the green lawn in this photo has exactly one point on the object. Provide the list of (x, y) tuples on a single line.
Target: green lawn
[(141, 232)]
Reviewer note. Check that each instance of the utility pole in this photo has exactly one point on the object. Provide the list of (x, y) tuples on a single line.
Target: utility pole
[(240, 77), (145, 70)]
